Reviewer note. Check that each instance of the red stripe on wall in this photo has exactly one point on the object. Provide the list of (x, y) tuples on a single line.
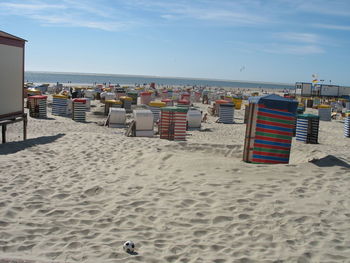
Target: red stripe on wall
[(291, 126), (272, 154), (263, 106), (256, 160), (260, 145), (274, 131), (275, 116)]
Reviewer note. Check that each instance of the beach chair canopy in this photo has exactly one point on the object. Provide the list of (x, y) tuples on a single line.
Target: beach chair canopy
[(274, 101)]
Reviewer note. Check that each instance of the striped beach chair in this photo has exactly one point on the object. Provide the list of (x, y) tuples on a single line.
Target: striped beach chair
[(173, 123), (269, 129), (347, 125), (59, 105), (37, 106), (307, 128), (155, 107), (79, 110), (226, 113)]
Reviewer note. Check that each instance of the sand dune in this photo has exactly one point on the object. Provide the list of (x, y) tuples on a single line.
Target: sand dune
[(75, 192)]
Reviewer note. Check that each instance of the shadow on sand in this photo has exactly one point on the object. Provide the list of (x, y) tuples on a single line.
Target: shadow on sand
[(330, 161), (13, 147), (205, 130)]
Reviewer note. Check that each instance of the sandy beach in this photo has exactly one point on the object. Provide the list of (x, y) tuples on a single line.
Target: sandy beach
[(75, 192)]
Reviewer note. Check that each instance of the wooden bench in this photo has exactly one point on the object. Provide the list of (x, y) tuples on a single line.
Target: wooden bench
[(11, 120)]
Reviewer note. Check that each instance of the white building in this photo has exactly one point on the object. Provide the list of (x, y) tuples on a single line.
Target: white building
[(11, 76)]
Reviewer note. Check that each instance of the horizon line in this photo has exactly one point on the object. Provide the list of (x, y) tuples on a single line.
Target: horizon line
[(161, 77)]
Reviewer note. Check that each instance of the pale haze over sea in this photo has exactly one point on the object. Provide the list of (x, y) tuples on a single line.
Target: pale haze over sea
[(90, 78)]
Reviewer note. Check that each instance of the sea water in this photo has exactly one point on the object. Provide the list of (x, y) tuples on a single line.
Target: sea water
[(84, 78)]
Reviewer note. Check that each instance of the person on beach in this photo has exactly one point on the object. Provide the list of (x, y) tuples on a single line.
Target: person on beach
[(205, 117)]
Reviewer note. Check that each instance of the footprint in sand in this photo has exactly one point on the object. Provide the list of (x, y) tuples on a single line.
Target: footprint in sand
[(204, 193), (139, 209), (199, 221), (241, 201), (3, 223), (60, 196), (167, 157), (221, 219), (243, 216), (137, 203), (56, 212), (301, 219), (187, 202), (231, 208), (200, 233), (93, 191), (24, 248), (216, 248), (74, 245), (199, 214), (10, 214)]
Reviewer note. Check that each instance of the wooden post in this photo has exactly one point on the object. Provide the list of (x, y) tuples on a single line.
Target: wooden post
[(249, 133), (3, 133), (25, 121)]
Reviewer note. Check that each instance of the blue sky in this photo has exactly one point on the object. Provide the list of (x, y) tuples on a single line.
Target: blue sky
[(253, 40)]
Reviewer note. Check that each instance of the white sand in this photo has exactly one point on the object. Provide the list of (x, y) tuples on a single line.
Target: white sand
[(75, 192)]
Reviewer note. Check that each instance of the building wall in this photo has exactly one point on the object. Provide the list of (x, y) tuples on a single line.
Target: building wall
[(344, 91), (329, 90), (306, 89), (11, 78)]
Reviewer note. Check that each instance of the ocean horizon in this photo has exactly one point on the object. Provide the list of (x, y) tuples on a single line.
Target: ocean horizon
[(126, 79)]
